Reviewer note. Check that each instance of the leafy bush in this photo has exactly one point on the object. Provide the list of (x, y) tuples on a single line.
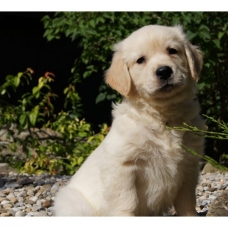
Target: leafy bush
[(60, 145)]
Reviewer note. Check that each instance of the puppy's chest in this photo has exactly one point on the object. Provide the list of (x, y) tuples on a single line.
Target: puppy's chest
[(154, 145), (158, 165), (158, 156)]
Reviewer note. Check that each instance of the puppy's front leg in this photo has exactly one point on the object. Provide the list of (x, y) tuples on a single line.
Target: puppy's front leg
[(185, 202), (120, 191)]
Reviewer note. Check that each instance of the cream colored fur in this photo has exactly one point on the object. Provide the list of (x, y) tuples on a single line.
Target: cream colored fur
[(140, 169)]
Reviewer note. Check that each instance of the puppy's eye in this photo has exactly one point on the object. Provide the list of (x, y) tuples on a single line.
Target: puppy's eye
[(141, 60), (172, 51)]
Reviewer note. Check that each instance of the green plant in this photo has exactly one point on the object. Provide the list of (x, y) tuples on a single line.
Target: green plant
[(207, 134), (208, 159), (65, 152), (60, 145), (33, 105)]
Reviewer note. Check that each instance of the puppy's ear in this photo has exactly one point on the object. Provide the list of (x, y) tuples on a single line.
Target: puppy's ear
[(195, 60), (117, 76)]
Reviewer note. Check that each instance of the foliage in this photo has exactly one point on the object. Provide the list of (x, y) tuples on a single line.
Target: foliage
[(96, 32), (60, 145), (64, 153), (72, 101), (25, 113)]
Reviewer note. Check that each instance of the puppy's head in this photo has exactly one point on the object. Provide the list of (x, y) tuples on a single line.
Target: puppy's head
[(155, 63)]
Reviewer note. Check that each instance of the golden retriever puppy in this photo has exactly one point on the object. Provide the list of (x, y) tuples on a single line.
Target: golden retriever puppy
[(141, 168)]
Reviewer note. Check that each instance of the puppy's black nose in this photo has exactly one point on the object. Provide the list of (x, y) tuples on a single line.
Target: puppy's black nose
[(164, 72)]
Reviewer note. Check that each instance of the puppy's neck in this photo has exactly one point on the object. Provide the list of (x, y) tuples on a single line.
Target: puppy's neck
[(173, 114)]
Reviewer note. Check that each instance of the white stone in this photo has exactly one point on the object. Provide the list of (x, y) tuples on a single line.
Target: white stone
[(33, 198), (19, 214), (22, 194), (10, 195), (202, 198), (30, 192), (15, 209), (36, 188), (28, 205), (40, 201), (212, 198), (5, 202), (20, 199)]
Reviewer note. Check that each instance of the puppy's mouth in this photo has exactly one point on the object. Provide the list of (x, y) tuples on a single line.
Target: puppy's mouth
[(167, 86)]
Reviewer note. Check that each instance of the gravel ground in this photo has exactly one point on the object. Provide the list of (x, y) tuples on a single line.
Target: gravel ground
[(30, 195)]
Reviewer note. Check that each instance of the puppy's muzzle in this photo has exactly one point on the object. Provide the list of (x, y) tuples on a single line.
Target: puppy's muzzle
[(164, 72)]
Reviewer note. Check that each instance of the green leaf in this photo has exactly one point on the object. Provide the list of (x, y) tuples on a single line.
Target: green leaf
[(50, 37), (100, 97), (201, 85), (33, 115), (204, 32), (41, 84), (80, 160), (217, 43), (93, 23), (16, 81), (36, 91), (220, 35), (46, 33), (204, 28), (186, 17), (191, 35), (22, 119)]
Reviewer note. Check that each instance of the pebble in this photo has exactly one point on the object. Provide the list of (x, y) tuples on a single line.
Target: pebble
[(33, 198), (20, 213), (37, 208), (29, 195), (4, 202), (30, 192), (23, 195), (46, 203), (5, 214), (20, 199)]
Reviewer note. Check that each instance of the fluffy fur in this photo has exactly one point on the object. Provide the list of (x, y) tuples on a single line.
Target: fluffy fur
[(140, 169)]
